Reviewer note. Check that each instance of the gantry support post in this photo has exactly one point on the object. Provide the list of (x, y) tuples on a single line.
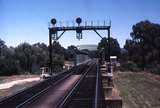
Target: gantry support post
[(109, 52), (50, 52)]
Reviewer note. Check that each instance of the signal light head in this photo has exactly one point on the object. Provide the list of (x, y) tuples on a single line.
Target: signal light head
[(53, 21), (78, 20)]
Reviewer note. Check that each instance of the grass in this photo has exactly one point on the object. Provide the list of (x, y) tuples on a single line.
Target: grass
[(139, 90)]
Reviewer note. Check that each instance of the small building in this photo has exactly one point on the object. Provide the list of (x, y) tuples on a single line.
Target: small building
[(90, 47), (68, 65), (113, 59), (44, 70)]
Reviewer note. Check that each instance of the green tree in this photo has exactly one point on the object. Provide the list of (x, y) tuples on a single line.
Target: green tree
[(58, 56), (8, 63), (2, 46), (23, 53), (114, 47), (40, 56), (70, 52), (57, 48), (144, 46)]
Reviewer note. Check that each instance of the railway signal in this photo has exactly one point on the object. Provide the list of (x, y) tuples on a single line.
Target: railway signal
[(53, 33)]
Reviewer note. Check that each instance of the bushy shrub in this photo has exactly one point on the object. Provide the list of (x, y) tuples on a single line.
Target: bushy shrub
[(154, 68), (129, 66)]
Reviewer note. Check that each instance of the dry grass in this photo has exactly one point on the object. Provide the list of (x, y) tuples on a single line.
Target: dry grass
[(139, 90)]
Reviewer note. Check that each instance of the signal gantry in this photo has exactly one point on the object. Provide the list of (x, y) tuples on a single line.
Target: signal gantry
[(79, 28)]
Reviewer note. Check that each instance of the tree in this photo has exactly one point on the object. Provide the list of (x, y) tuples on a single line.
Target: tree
[(8, 63), (2, 45), (23, 53), (29, 58), (70, 52), (57, 48), (144, 46), (114, 47), (40, 56), (58, 56)]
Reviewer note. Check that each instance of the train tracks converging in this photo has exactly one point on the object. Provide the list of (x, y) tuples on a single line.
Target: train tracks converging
[(82, 95), (76, 88)]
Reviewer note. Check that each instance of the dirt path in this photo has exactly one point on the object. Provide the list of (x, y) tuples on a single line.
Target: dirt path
[(12, 83)]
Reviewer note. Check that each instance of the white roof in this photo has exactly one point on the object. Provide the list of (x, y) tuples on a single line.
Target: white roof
[(113, 57), (89, 47)]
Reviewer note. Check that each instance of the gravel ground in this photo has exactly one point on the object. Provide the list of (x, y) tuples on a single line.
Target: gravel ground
[(4, 79), (16, 87)]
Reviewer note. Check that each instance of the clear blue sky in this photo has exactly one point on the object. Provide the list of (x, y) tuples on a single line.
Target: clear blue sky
[(27, 20)]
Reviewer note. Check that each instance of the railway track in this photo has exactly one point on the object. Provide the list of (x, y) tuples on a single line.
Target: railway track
[(88, 93), (76, 88), (53, 97), (21, 96)]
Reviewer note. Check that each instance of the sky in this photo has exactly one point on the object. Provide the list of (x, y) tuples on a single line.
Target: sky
[(27, 20)]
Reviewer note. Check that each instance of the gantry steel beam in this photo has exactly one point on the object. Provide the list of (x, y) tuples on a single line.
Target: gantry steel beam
[(53, 34), (74, 28)]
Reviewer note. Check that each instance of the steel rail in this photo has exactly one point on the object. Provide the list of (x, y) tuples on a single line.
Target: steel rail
[(33, 98), (12, 100), (69, 95), (97, 86)]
